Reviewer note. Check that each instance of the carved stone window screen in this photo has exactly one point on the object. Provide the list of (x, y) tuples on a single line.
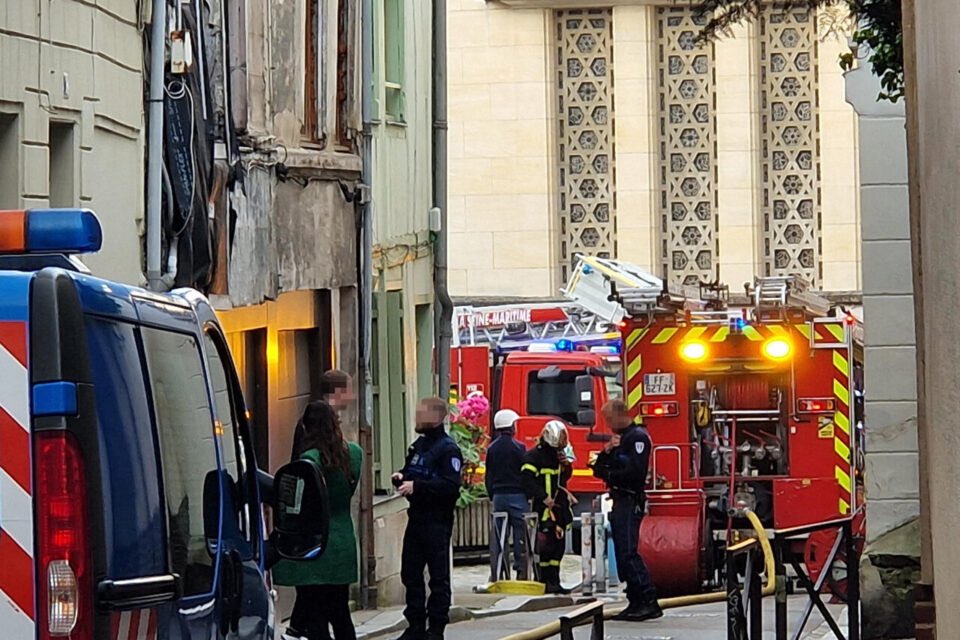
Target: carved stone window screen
[(791, 143), (587, 179), (687, 142)]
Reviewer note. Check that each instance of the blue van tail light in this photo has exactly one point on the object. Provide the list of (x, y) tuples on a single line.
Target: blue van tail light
[(69, 231), (64, 580)]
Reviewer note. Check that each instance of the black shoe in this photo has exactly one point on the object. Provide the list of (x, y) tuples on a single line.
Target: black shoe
[(555, 588), (413, 634), (433, 634), (640, 612)]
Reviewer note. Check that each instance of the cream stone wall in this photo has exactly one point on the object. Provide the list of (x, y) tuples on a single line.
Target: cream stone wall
[(504, 196), (502, 230), (79, 65)]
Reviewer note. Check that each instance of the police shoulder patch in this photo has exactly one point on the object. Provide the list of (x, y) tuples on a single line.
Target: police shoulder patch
[(455, 463), (640, 446)]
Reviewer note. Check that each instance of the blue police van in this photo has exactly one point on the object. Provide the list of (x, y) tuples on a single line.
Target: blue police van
[(131, 507)]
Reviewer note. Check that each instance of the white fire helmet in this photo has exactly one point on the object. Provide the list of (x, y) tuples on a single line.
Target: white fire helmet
[(505, 419), (554, 434)]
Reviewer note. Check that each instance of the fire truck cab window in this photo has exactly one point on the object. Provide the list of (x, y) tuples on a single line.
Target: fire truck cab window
[(556, 396)]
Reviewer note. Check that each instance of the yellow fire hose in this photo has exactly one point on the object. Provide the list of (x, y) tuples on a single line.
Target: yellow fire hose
[(553, 628)]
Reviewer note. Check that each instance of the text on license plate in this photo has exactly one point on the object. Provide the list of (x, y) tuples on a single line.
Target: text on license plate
[(659, 384)]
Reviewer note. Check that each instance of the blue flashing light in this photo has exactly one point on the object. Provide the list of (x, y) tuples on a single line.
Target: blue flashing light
[(741, 323), (63, 231), (564, 345), (587, 269), (606, 350)]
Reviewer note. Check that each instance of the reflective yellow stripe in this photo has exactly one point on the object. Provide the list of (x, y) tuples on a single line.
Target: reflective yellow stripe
[(844, 507), (633, 367), (841, 363), (720, 335), (842, 450), (635, 396), (528, 467), (548, 483), (635, 336), (549, 563), (842, 421), (804, 329), (843, 478), (841, 392), (777, 330), (752, 334), (664, 336), (695, 333), (582, 472), (837, 332)]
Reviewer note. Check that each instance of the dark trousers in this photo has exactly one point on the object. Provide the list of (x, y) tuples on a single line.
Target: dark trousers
[(426, 545), (625, 519), (320, 607)]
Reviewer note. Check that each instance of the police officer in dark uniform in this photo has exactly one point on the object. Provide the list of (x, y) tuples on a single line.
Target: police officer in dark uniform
[(430, 480), (623, 466)]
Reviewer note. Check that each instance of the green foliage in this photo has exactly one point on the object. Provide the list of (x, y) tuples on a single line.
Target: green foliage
[(472, 440), (879, 30)]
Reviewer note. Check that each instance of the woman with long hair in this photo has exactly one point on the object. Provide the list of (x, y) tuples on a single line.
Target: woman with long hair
[(323, 585)]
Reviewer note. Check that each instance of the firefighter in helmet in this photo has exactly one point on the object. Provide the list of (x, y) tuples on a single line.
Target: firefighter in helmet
[(546, 469)]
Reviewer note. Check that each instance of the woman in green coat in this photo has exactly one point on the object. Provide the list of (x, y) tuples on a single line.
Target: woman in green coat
[(323, 585)]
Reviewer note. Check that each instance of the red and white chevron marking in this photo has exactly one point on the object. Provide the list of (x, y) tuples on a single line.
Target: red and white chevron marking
[(17, 591), (134, 625)]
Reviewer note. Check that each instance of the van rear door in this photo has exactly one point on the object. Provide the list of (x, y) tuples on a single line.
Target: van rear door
[(17, 605)]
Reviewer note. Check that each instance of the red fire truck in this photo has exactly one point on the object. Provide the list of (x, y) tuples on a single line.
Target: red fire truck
[(544, 361), (756, 407)]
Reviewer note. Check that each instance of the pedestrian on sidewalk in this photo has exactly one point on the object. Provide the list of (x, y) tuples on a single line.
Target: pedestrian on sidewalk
[(323, 584), (505, 487), (623, 465), (430, 480), (545, 472), (336, 389)]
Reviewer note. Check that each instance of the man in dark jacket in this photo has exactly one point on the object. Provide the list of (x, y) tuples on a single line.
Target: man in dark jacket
[(545, 471), (505, 486), (623, 466), (430, 480)]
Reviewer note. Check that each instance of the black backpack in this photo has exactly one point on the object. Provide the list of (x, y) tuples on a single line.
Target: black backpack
[(301, 511)]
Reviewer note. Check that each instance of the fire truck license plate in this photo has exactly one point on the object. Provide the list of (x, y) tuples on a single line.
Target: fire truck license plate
[(659, 384)]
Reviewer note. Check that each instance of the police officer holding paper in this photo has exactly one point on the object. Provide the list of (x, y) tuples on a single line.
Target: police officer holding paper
[(430, 480), (623, 466)]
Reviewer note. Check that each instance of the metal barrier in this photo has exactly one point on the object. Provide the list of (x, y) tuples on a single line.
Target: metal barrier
[(588, 614), (747, 601), (500, 530)]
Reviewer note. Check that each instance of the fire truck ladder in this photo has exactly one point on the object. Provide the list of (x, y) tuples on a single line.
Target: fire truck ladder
[(777, 294), (517, 323), (613, 289)]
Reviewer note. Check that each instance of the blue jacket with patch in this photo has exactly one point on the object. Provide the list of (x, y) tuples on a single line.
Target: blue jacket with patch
[(434, 464), (624, 468)]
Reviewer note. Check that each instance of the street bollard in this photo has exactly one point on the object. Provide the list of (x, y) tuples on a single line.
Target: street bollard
[(532, 560), (599, 546), (586, 552)]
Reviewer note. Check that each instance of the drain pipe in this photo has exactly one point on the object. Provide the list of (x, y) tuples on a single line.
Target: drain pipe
[(158, 49), (368, 585), (443, 309)]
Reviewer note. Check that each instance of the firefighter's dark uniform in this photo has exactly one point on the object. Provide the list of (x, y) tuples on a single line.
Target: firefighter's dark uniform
[(433, 464), (544, 476), (624, 469)]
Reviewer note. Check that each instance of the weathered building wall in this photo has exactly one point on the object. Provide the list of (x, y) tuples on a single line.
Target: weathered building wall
[(892, 558), (401, 196), (71, 118), (609, 130), (934, 91)]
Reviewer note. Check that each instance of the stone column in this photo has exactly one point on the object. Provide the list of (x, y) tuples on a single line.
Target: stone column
[(891, 562)]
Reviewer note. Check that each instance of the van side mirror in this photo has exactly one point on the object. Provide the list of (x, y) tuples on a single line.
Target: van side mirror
[(587, 417), (584, 387), (301, 511)]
